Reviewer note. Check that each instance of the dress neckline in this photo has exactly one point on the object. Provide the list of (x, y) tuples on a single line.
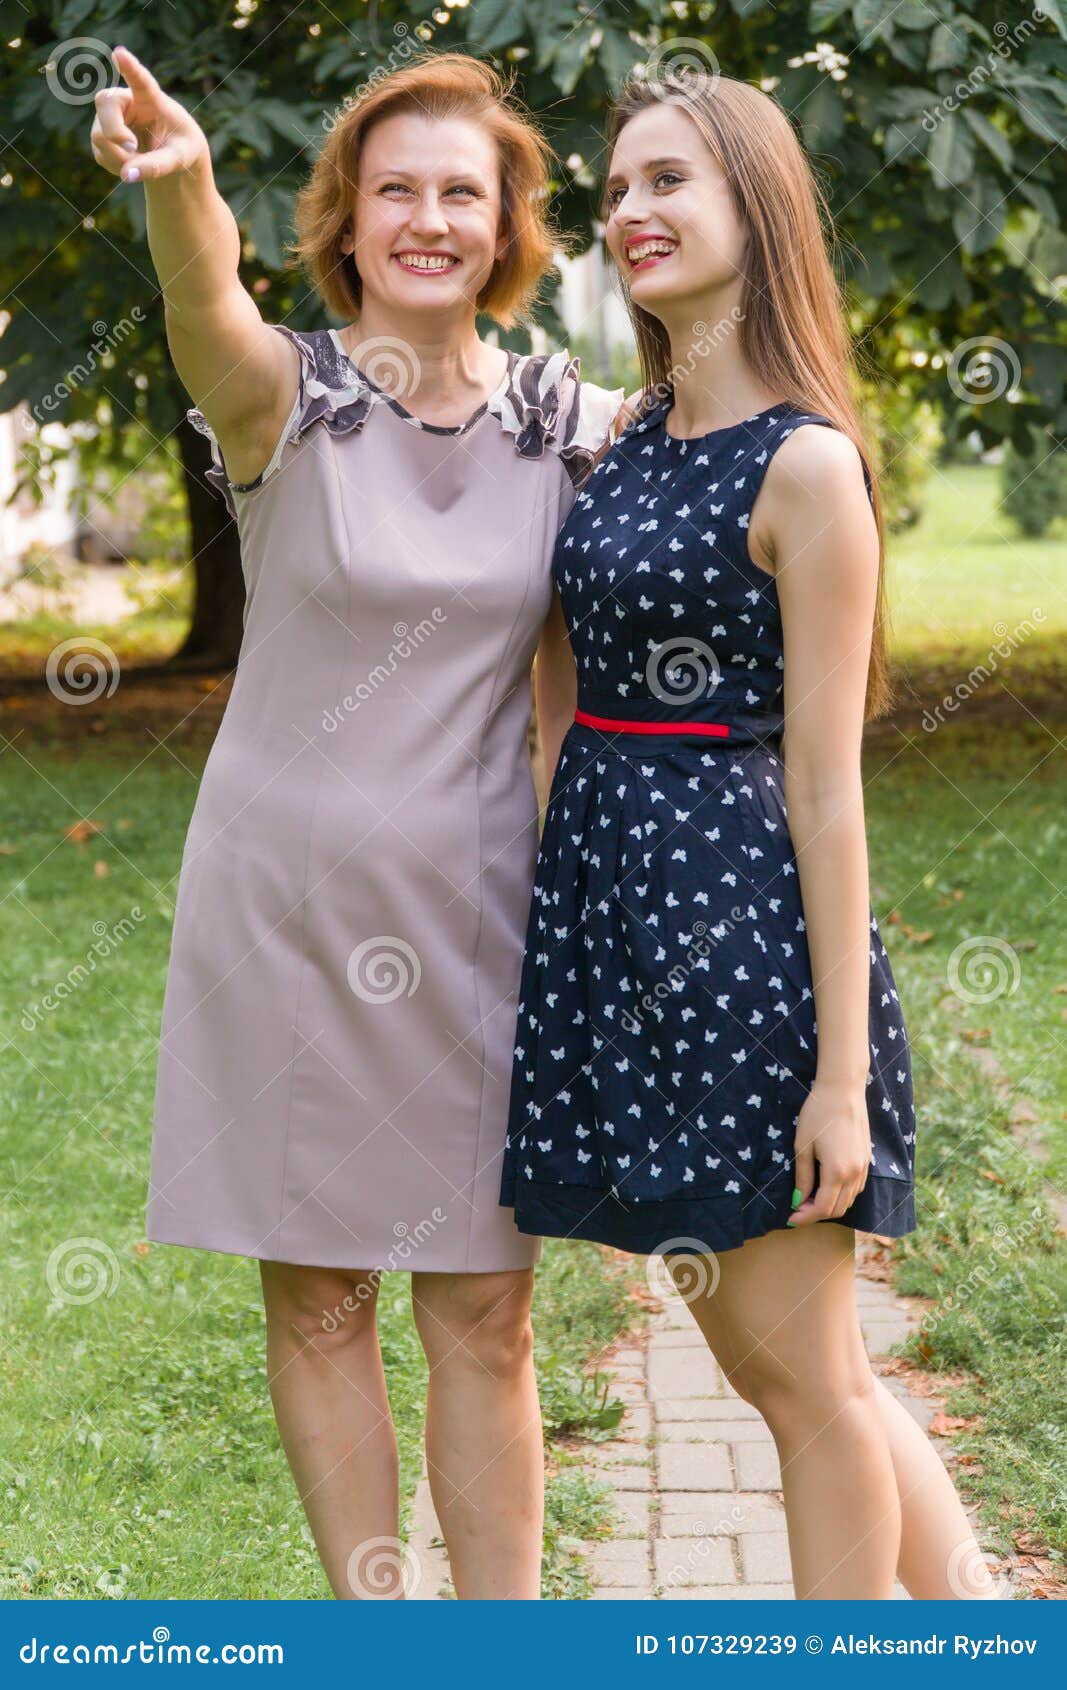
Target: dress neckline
[(782, 406), (402, 410)]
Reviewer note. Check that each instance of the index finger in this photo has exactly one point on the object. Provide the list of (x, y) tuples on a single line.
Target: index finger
[(138, 76)]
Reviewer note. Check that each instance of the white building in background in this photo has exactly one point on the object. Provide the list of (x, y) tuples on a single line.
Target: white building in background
[(591, 302), (24, 522)]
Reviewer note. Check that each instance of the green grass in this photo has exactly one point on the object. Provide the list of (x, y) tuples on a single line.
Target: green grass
[(964, 579), (968, 831), (140, 1456)]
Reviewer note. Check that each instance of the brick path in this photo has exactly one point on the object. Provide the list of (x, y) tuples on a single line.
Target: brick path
[(693, 1468)]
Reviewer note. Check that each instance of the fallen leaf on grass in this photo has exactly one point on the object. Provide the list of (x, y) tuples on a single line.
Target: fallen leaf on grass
[(943, 1423), (79, 832)]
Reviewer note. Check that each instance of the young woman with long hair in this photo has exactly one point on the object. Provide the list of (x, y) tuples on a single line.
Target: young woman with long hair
[(721, 585), (340, 1005)]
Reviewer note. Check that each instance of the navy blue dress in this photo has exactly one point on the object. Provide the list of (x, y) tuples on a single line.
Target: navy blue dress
[(666, 1028)]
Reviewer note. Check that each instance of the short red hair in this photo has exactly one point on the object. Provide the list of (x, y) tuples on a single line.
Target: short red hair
[(439, 85)]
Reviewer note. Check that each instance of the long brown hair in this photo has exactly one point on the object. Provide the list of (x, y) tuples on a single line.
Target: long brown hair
[(438, 85), (792, 327)]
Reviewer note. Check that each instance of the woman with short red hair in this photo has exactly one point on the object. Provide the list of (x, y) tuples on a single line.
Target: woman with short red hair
[(341, 999)]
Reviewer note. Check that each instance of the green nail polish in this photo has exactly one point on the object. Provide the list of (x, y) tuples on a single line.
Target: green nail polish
[(798, 1197)]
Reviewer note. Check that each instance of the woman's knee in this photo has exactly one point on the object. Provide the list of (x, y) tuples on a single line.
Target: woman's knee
[(481, 1319), (323, 1307), (812, 1392)]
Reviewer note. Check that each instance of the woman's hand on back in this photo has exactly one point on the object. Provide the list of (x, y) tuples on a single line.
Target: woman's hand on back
[(139, 133)]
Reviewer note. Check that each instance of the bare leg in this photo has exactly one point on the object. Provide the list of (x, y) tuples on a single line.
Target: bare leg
[(484, 1450), (327, 1385), (940, 1558), (782, 1322)]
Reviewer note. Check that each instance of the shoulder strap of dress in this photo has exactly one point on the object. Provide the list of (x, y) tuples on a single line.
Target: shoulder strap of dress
[(759, 439)]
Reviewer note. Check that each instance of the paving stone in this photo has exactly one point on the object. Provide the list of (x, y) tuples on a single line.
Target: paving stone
[(623, 1561), (622, 1593), (757, 1467), (627, 1478), (632, 1514), (626, 1358), (689, 1561), (626, 1370), (696, 1514), (765, 1557), (710, 1408), (628, 1390), (636, 1423), (684, 1408), (695, 1467), (616, 1453), (879, 1335), (680, 1373), (707, 1431), (675, 1337)]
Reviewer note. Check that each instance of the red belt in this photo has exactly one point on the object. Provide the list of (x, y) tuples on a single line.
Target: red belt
[(614, 724)]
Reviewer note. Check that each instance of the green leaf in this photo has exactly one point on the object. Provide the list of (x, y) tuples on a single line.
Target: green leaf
[(951, 152), (266, 228), (991, 137), (873, 20), (1054, 9), (568, 59), (1041, 114), (1042, 200), (285, 121), (617, 55), (915, 14), (823, 115), (978, 219), (499, 22), (949, 47), (908, 49), (823, 12)]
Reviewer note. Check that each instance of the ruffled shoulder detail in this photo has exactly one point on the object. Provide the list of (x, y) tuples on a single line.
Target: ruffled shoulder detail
[(329, 387), (542, 402), (545, 405)]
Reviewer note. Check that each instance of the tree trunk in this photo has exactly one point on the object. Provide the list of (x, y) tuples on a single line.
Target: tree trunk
[(214, 636)]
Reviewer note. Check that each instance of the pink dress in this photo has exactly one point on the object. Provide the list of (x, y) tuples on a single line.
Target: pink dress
[(340, 1006)]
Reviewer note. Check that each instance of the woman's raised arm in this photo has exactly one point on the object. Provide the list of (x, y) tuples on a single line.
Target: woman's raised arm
[(240, 373)]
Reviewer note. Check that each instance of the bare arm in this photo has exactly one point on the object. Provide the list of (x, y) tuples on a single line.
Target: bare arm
[(555, 688), (815, 526), (235, 368)]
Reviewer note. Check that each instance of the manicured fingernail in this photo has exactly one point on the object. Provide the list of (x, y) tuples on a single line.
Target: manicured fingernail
[(789, 1223), (798, 1197), (128, 146), (130, 173)]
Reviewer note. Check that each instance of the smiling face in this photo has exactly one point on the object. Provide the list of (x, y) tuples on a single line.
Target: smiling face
[(672, 226), (426, 227)]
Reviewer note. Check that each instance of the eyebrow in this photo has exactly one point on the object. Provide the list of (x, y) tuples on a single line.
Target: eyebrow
[(472, 175), (648, 168)]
